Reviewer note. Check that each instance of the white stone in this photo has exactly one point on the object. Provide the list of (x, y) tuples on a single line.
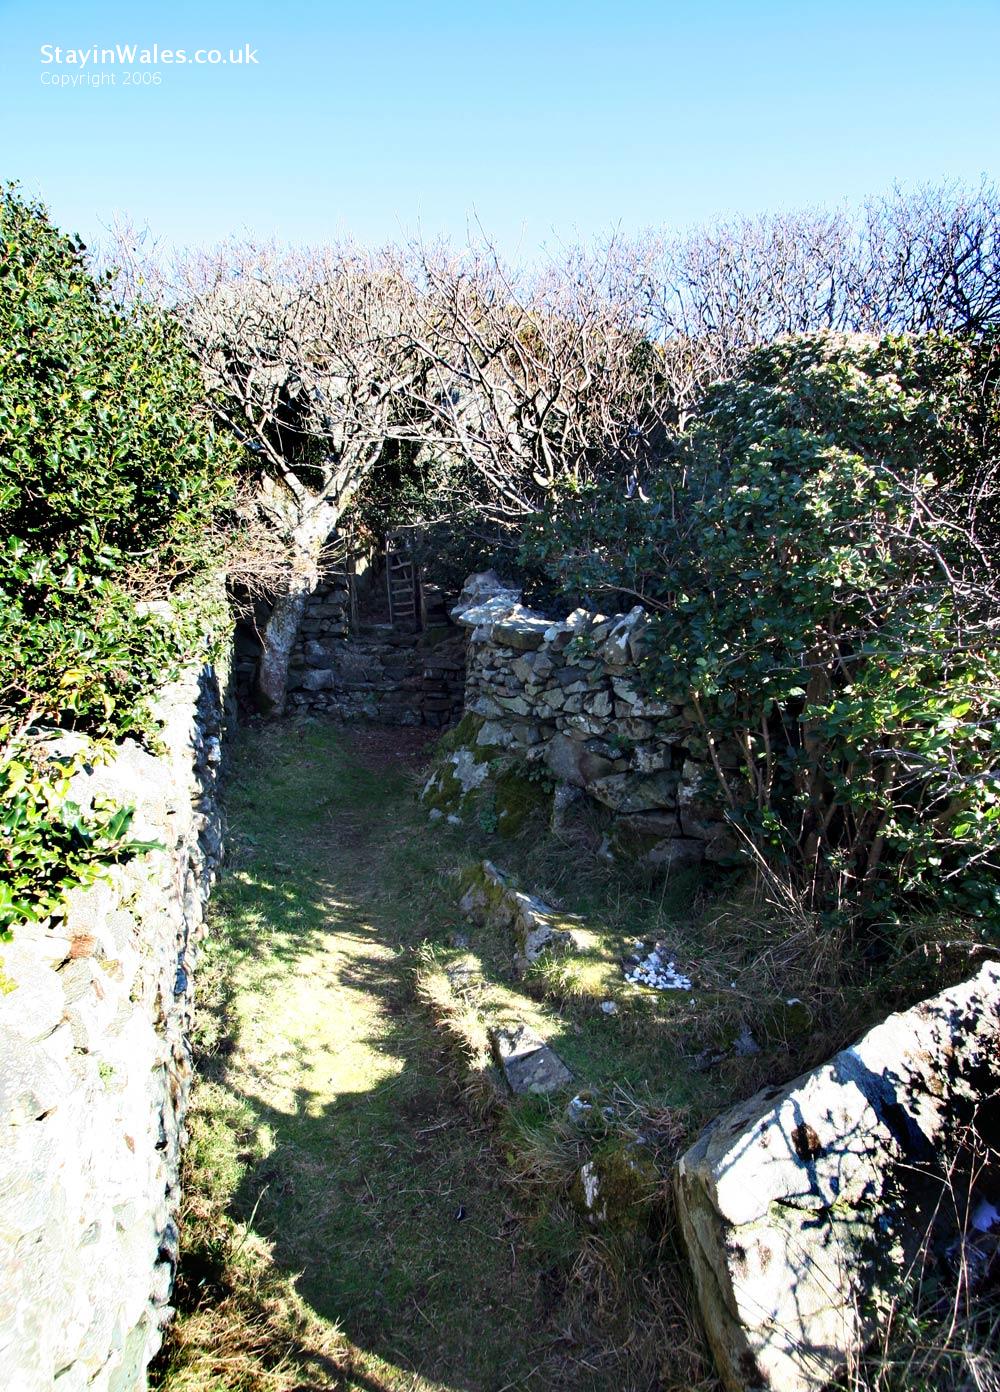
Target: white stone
[(801, 1208)]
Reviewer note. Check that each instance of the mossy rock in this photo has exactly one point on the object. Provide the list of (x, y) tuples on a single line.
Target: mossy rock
[(617, 1185), (443, 791), (486, 894), (516, 799), (464, 733)]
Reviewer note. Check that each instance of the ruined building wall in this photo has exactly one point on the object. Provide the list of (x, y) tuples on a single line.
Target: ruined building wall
[(565, 698)]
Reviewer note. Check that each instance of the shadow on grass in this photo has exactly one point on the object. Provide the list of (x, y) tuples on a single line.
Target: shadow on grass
[(375, 1193)]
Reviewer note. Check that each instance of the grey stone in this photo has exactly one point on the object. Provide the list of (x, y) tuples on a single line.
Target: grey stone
[(532, 667), (536, 929), (318, 679), (522, 630), (599, 705), (493, 732), (467, 769), (802, 1208), (92, 1106), (528, 1063), (517, 705), (650, 758), (638, 704), (635, 792), (572, 762)]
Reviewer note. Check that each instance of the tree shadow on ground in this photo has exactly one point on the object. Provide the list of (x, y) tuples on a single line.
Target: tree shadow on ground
[(374, 1190)]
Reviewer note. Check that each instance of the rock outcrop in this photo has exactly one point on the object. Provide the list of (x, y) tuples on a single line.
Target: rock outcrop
[(804, 1208)]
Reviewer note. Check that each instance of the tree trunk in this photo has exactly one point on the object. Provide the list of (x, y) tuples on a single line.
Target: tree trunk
[(282, 628), (279, 638)]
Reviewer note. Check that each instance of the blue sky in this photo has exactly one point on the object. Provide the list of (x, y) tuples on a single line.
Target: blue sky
[(546, 121)]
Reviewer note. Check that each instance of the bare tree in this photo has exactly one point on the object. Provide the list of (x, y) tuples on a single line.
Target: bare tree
[(306, 356), (534, 380), (524, 382), (715, 293), (909, 262), (929, 260)]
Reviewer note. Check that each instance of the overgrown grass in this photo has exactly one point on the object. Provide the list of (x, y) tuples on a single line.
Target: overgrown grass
[(365, 1205), (775, 992), (345, 1225)]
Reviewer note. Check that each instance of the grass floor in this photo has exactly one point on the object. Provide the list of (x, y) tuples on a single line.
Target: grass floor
[(354, 1162), (350, 1221)]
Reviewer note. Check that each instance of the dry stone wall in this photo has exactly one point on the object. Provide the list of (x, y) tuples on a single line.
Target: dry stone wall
[(565, 699), (376, 672), (95, 1067)]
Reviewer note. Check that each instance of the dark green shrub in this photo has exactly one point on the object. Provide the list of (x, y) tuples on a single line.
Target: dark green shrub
[(109, 478), (821, 555), (51, 845)]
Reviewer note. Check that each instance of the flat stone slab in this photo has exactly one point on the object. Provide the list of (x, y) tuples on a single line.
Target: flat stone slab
[(529, 1064), (803, 1208)]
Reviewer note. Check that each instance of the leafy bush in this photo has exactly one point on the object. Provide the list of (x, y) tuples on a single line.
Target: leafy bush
[(109, 479), (48, 844), (820, 554)]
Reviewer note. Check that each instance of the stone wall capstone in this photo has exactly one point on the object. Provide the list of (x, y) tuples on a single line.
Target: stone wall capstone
[(95, 1068)]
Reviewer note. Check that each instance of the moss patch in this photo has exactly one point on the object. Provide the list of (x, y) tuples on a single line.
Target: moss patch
[(462, 734), (516, 799), (618, 1185), (443, 792)]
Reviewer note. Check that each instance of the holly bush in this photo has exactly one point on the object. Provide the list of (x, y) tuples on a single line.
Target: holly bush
[(49, 843), (110, 480), (820, 554), (110, 476)]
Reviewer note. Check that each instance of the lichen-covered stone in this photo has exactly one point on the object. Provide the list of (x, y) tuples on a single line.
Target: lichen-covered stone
[(802, 1208), (490, 896), (528, 1063)]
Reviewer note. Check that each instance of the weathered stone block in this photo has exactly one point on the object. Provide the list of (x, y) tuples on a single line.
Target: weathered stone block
[(318, 679), (528, 1063), (636, 792), (802, 1208), (572, 762)]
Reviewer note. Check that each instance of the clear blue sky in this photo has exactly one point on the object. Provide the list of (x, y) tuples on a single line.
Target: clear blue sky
[(552, 119)]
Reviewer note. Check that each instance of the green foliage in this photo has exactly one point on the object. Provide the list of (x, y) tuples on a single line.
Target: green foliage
[(109, 479), (49, 844), (820, 552)]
